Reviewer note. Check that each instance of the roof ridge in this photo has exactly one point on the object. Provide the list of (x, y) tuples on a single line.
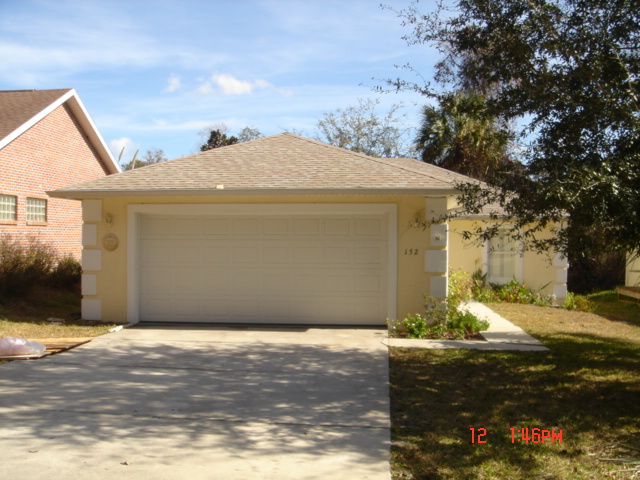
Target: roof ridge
[(381, 160), (36, 90)]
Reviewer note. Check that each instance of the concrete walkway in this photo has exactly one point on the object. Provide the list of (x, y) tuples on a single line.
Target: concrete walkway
[(502, 335), (201, 403)]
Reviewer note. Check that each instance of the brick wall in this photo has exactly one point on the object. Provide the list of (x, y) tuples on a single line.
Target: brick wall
[(54, 153)]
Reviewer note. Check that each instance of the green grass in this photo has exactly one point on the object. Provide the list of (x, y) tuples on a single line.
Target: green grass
[(608, 305), (27, 317), (588, 386)]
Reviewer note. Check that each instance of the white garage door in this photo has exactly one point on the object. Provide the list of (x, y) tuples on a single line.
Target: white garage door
[(295, 269)]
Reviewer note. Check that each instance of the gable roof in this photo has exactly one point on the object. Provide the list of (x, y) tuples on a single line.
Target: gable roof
[(280, 164), (22, 109)]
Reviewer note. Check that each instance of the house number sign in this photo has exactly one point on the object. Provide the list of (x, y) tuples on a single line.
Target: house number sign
[(411, 251)]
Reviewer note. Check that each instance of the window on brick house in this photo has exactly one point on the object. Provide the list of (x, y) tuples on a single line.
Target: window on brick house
[(8, 207), (36, 210)]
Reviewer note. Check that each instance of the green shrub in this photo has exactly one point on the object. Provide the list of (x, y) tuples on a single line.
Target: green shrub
[(460, 288), (440, 320), (466, 323), (480, 288), (416, 326), (23, 264), (448, 320), (578, 303), (67, 273), (516, 292)]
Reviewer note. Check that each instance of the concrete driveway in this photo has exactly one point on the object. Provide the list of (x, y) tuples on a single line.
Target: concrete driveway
[(201, 403)]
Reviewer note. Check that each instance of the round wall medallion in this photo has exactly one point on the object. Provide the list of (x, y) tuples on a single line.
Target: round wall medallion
[(110, 242)]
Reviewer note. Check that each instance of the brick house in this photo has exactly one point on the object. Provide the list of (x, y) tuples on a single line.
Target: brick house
[(47, 141)]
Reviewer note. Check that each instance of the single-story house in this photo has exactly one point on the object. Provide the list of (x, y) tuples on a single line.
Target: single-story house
[(47, 141), (281, 229)]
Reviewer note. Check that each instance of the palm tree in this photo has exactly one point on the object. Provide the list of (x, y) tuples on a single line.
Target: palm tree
[(461, 135)]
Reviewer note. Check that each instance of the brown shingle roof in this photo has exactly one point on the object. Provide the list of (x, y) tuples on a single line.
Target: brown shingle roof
[(283, 163), (19, 106), (22, 109)]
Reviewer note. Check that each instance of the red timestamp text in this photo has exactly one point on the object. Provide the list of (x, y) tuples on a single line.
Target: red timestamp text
[(523, 435)]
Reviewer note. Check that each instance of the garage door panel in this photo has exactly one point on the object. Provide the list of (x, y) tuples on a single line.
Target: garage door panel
[(304, 283), (156, 279), (189, 226), (187, 281), (247, 254), (368, 283), (186, 307), (338, 254), (216, 308), (157, 252), (215, 253), (246, 226), (328, 269), (157, 307), (307, 226), (216, 226), (368, 307), (276, 282), (276, 254), (338, 226), (369, 226), (338, 283), (186, 252), (308, 254), (156, 225), (244, 282), (210, 281), (245, 309), (369, 255), (277, 226)]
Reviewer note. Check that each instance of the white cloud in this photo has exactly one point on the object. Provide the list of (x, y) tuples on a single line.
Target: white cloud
[(173, 84), (129, 146), (204, 89), (232, 86)]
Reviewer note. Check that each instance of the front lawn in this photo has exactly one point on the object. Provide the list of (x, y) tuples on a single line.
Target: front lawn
[(27, 317), (587, 387)]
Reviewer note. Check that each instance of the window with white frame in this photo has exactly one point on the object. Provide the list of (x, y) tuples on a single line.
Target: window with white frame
[(36, 210), (501, 264), (8, 207)]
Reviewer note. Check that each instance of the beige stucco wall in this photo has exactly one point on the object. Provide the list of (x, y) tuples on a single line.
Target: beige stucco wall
[(110, 280), (632, 278), (540, 271), (105, 272)]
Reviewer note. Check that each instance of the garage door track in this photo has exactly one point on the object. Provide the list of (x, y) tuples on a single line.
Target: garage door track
[(201, 403)]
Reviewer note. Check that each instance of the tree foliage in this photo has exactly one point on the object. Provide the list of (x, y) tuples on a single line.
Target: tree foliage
[(359, 128), (151, 156), (218, 136), (249, 133), (218, 139), (154, 155), (567, 72), (461, 135)]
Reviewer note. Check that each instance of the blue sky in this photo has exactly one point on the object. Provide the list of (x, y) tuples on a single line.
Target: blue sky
[(153, 74)]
